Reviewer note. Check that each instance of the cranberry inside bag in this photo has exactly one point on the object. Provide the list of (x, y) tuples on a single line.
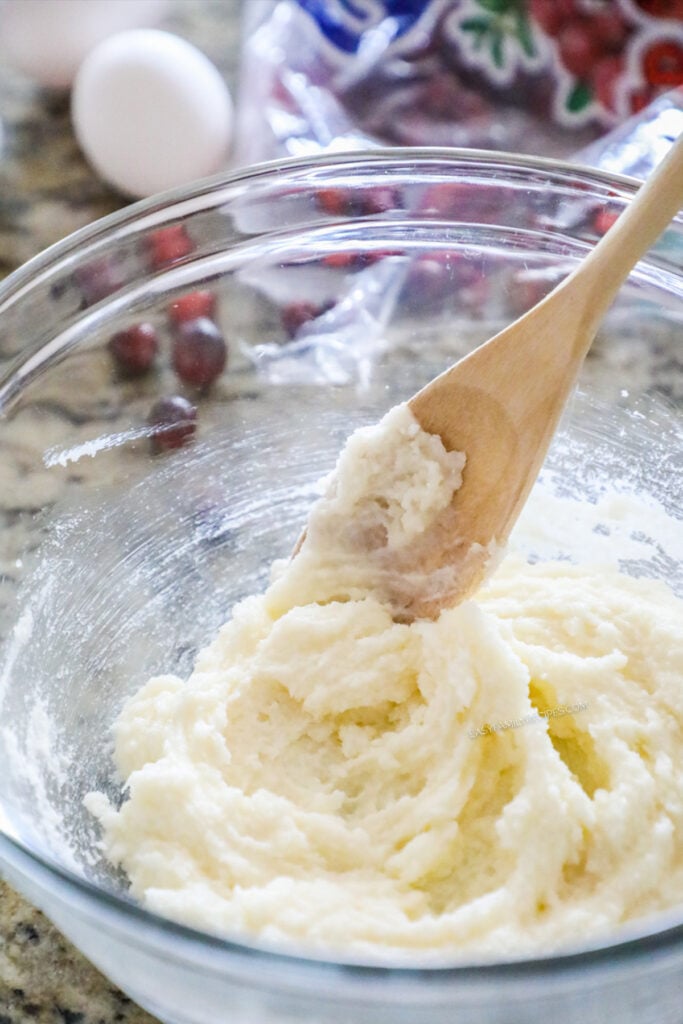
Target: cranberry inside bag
[(530, 76), (596, 81)]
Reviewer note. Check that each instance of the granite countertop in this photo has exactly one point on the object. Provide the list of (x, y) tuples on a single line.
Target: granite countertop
[(47, 190)]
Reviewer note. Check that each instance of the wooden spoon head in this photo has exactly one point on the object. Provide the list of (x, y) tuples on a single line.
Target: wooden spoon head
[(500, 406)]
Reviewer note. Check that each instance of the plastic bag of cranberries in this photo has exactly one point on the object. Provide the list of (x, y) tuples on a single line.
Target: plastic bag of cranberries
[(540, 76)]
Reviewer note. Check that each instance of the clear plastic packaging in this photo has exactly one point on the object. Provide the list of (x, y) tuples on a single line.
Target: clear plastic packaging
[(546, 77)]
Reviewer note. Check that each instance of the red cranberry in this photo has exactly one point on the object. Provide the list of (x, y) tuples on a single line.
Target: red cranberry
[(192, 306), (441, 96), (173, 421), (335, 201), (440, 275), (604, 219), (641, 97), (296, 314), (549, 14), (341, 260), (356, 260), (199, 352), (610, 28), (604, 78), (671, 9), (342, 202), (134, 350), (380, 200), (663, 63), (579, 49), (97, 280), (168, 245), (367, 259), (568, 8), (463, 202), (444, 199)]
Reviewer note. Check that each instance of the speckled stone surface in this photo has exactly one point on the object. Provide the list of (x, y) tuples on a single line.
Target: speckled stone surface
[(45, 981), (47, 190)]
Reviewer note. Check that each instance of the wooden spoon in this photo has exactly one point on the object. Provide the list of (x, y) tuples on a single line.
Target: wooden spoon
[(501, 404)]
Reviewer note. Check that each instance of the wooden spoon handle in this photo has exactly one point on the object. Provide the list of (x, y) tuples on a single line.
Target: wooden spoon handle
[(639, 226), (501, 403)]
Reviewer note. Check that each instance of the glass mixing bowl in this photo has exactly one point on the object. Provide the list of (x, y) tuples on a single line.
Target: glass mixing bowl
[(340, 286)]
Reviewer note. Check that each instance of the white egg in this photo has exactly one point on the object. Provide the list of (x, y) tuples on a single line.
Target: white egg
[(150, 111), (48, 39)]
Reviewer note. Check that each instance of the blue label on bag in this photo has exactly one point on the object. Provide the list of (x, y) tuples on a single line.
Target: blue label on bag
[(344, 23)]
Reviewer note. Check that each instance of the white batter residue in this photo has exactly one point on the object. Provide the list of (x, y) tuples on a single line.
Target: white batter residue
[(503, 779)]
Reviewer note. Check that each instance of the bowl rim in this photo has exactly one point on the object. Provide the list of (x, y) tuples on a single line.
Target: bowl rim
[(163, 202), (638, 940)]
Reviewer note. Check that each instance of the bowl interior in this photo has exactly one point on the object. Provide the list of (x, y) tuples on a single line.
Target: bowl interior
[(118, 564)]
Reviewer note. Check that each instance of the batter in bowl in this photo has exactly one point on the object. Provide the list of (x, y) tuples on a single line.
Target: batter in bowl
[(505, 779)]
